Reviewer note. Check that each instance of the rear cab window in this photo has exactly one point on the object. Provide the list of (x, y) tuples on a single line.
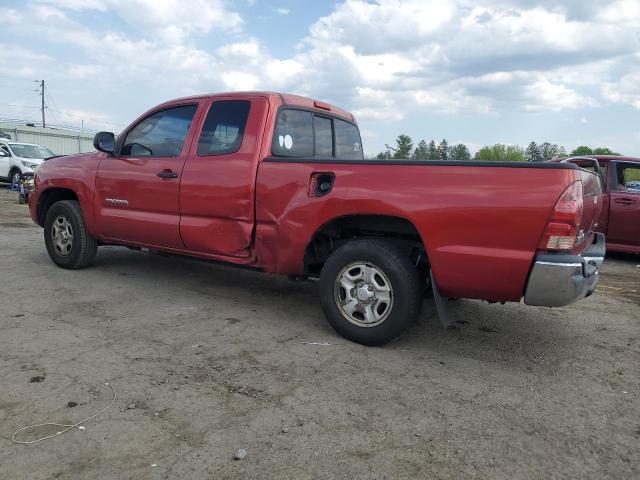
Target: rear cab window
[(303, 133)]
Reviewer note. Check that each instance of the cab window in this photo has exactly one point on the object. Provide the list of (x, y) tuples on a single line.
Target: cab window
[(348, 143), (323, 133), (223, 128), (294, 134), (301, 133), (161, 134), (628, 178)]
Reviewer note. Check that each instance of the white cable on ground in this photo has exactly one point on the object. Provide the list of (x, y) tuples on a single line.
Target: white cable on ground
[(69, 427)]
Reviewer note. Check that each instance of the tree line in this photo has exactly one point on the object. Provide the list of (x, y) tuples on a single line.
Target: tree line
[(404, 150)]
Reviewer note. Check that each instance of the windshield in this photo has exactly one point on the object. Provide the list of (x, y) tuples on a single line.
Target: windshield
[(30, 151)]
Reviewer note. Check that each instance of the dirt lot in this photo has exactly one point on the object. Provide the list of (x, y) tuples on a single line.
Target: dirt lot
[(208, 359)]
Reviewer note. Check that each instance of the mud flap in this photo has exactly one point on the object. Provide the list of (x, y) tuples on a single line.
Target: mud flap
[(441, 304)]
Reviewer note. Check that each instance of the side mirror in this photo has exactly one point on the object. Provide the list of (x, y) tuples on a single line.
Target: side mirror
[(104, 142)]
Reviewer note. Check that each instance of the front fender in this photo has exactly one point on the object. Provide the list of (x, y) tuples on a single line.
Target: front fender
[(58, 176)]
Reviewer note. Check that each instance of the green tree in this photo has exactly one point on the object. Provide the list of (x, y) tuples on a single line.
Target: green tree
[(501, 153), (403, 148), (459, 152), (604, 151), (443, 150), (421, 152), (386, 155), (532, 153), (550, 150), (585, 150), (582, 150), (432, 151)]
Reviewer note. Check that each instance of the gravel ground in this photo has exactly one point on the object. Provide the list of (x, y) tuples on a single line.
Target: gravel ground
[(208, 360)]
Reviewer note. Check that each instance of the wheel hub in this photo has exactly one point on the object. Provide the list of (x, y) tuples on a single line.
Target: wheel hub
[(62, 235), (363, 294)]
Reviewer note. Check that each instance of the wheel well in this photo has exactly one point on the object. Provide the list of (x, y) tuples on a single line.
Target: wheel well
[(51, 196), (399, 231)]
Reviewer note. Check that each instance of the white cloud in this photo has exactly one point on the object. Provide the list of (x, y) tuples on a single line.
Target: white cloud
[(283, 11), (250, 48), (175, 20), (384, 59), (625, 90), (545, 95), (169, 20), (235, 80), (99, 5)]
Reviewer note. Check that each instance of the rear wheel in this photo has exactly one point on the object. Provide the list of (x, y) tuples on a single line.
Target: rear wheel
[(69, 243), (370, 291)]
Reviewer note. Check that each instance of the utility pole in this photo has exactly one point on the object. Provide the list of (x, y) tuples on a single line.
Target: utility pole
[(41, 82), (42, 95)]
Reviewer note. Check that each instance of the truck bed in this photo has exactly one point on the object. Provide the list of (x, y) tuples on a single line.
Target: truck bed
[(481, 222)]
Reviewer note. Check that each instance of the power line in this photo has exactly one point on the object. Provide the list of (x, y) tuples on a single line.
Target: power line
[(49, 103), (20, 106), (15, 88), (23, 96)]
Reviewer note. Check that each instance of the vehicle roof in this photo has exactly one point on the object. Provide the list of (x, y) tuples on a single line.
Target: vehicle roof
[(11, 142), (284, 98), (607, 158), (601, 158)]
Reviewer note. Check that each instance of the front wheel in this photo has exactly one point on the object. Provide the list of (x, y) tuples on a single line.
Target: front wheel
[(69, 243), (370, 291)]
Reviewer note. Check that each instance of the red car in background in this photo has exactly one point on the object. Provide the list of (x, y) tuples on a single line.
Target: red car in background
[(620, 216)]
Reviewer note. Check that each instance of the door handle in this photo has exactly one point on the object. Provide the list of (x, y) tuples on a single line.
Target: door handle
[(167, 174), (625, 201)]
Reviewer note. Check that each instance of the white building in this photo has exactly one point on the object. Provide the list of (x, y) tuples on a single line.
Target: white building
[(60, 142)]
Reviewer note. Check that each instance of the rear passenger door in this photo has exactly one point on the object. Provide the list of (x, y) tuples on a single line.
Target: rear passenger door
[(218, 179)]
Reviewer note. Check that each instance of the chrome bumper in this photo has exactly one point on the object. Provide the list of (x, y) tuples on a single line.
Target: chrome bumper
[(558, 279)]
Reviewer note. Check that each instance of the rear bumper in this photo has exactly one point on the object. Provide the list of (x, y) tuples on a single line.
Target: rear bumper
[(558, 279)]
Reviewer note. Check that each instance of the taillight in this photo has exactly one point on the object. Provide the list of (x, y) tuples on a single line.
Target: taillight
[(563, 230)]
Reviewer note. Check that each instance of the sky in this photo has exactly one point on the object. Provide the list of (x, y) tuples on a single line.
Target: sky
[(473, 72)]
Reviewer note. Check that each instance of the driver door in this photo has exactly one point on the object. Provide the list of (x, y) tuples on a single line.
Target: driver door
[(136, 196)]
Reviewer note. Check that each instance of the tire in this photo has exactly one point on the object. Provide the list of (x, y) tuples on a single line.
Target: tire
[(82, 249), (22, 199), (375, 320)]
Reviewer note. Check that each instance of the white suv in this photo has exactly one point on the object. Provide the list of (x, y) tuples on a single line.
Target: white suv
[(18, 158)]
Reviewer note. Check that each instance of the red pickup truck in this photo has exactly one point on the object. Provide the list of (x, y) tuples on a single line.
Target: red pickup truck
[(279, 183), (620, 217)]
